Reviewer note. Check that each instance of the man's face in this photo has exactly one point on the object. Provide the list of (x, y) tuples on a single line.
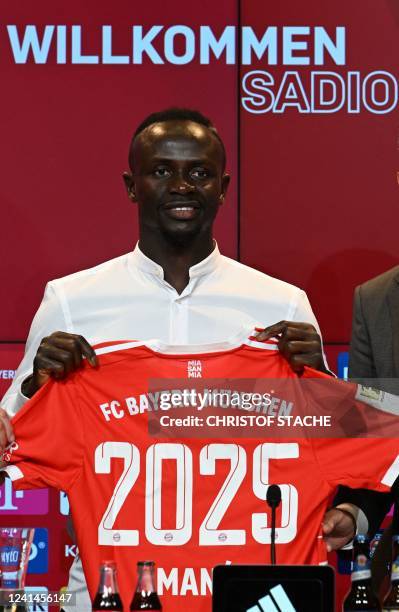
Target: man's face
[(177, 179)]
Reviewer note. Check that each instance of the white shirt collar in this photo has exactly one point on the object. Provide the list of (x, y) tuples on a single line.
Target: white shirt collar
[(147, 265)]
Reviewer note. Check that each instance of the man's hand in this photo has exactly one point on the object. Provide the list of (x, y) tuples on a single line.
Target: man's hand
[(299, 343), (57, 356), (338, 527), (6, 430)]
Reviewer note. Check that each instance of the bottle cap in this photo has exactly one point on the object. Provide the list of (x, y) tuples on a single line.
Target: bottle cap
[(111, 563), (145, 563), (361, 538)]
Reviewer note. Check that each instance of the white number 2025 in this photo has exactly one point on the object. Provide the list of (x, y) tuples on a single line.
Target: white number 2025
[(209, 532)]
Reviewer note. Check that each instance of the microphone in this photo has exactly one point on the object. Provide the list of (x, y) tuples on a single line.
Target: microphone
[(273, 498)]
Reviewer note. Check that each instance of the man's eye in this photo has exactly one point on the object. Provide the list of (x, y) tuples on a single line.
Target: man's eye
[(200, 173), (161, 172)]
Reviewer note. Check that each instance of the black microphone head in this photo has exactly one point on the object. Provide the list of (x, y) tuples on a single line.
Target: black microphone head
[(273, 495)]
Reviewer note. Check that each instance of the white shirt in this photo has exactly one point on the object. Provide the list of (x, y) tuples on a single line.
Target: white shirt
[(127, 298)]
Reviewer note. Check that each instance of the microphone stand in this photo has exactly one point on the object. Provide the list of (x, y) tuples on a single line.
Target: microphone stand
[(273, 499)]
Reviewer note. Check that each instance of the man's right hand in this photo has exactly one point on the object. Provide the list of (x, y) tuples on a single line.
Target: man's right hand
[(58, 356)]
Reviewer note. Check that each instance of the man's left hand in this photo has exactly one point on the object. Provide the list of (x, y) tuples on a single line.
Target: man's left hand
[(299, 343), (338, 529)]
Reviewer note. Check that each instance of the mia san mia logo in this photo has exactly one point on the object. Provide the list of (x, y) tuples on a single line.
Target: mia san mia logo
[(194, 368)]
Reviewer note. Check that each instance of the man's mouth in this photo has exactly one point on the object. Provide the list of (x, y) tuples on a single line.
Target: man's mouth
[(180, 211)]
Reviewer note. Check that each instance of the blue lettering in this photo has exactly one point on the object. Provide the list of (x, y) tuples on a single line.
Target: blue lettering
[(321, 82), (189, 53), (390, 88), (289, 46), (251, 43), (143, 44), (108, 58), (336, 49), (77, 57), (61, 44), (225, 43), (252, 83), (40, 50)]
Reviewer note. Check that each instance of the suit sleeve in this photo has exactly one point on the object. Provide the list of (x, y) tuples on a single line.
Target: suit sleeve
[(49, 318), (48, 447), (361, 363), (375, 505)]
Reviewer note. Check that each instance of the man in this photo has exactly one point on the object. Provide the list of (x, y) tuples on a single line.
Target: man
[(374, 350), (374, 360), (175, 285)]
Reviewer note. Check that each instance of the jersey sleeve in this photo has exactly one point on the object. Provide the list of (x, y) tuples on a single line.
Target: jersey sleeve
[(371, 463), (362, 450), (48, 447)]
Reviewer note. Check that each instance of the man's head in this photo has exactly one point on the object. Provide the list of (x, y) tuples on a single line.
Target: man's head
[(177, 162)]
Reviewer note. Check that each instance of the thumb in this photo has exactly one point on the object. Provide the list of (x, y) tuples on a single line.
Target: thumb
[(41, 377)]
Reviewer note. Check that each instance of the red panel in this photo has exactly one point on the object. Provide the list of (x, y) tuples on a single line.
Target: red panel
[(319, 192), (65, 136)]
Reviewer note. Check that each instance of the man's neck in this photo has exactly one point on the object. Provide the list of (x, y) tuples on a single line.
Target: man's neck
[(176, 260)]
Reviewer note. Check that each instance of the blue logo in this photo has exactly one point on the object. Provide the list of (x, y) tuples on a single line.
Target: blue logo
[(38, 558)]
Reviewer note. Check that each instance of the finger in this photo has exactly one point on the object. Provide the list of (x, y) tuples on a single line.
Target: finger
[(327, 526), (294, 347), (294, 329), (45, 369), (271, 331), (88, 351), (3, 438), (298, 362), (68, 345), (55, 355), (5, 419)]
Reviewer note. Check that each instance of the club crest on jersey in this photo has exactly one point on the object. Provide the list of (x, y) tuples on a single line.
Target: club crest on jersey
[(194, 368)]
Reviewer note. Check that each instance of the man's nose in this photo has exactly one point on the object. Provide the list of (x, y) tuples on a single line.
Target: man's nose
[(181, 184)]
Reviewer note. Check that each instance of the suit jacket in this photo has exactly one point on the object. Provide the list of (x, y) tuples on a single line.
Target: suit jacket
[(374, 350), (374, 354), (374, 361)]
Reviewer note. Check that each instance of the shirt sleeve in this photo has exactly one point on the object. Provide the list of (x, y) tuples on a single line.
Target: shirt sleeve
[(48, 447), (49, 318), (303, 313)]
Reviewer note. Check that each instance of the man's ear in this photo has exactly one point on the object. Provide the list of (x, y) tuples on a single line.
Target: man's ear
[(225, 184), (129, 184)]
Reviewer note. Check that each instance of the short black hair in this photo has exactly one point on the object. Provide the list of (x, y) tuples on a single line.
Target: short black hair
[(176, 113)]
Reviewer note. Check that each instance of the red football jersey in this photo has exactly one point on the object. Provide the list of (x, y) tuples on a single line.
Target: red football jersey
[(187, 503)]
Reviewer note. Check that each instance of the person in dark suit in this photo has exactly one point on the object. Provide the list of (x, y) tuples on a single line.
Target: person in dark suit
[(374, 349), (374, 361)]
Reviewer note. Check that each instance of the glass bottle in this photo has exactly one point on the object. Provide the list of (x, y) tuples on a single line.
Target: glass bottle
[(107, 597), (145, 596), (391, 601), (361, 596)]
